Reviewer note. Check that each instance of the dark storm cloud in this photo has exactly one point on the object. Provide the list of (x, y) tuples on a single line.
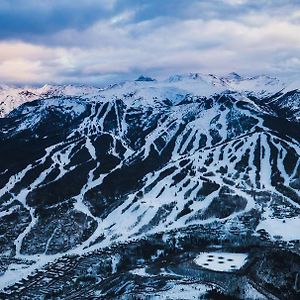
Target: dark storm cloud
[(22, 19)]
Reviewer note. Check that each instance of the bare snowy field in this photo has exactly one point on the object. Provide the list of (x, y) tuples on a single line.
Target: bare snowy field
[(221, 261)]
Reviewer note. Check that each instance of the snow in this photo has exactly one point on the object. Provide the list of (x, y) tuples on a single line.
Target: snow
[(260, 85), (179, 291), (252, 293), (114, 262), (147, 94), (17, 272), (91, 148), (141, 272), (11, 97), (174, 89), (288, 229), (221, 261)]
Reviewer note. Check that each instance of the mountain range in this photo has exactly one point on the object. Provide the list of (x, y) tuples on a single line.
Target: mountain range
[(145, 175)]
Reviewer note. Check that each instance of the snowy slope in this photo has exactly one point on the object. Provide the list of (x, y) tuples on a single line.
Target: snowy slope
[(174, 87), (260, 85), (99, 167), (12, 97)]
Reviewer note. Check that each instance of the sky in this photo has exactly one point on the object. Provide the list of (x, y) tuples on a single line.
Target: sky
[(100, 41)]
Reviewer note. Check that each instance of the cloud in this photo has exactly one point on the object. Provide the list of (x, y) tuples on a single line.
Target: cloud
[(120, 39), (34, 19), (23, 19)]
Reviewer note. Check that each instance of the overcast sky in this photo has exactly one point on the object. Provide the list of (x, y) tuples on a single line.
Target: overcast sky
[(97, 41)]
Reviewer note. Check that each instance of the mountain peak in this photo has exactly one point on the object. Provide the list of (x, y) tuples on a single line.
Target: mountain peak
[(234, 75), (145, 78)]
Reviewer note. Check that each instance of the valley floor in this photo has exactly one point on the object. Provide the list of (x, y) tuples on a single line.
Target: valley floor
[(157, 269)]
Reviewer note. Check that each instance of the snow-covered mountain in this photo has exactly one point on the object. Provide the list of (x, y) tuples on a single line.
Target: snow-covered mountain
[(180, 163), (200, 84), (12, 97)]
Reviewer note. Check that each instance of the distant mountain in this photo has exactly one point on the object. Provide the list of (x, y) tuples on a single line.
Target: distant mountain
[(192, 161), (12, 97)]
